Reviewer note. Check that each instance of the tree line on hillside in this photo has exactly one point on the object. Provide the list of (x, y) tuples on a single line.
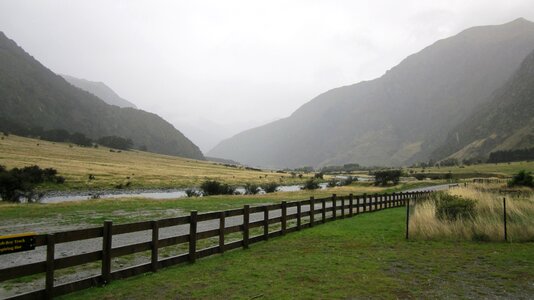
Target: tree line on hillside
[(511, 155), (63, 136)]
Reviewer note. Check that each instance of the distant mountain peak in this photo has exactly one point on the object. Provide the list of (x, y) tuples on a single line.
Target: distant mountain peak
[(99, 89)]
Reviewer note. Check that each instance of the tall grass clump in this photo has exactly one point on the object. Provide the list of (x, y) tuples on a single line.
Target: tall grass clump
[(470, 213)]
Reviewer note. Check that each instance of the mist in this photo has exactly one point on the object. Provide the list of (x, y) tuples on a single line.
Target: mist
[(223, 67)]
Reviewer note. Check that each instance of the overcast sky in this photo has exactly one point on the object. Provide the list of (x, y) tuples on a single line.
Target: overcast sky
[(236, 63)]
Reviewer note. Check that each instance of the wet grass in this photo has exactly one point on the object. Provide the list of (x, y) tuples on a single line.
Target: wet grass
[(362, 257)]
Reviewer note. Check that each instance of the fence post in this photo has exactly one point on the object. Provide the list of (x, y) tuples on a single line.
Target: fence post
[(222, 225), (312, 211), (351, 205), (284, 217), (505, 229), (246, 221), (155, 238), (334, 208), (343, 207), (376, 201), (299, 215), (193, 236), (49, 280), (407, 218), (107, 239), (323, 212), (266, 222), (393, 200), (364, 202)]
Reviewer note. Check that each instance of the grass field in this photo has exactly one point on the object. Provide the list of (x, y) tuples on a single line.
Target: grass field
[(94, 212), (141, 169), (362, 257), (500, 169)]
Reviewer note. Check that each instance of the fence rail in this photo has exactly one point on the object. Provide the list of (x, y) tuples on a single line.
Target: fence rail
[(315, 210)]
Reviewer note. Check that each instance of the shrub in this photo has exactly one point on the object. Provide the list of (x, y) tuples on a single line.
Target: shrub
[(310, 184), (384, 177), (251, 189), (451, 208), (115, 142), (17, 183), (319, 175), (333, 183), (213, 187), (192, 193), (522, 178), (270, 187)]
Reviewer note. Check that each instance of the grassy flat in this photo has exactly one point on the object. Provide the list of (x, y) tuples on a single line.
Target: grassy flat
[(500, 169), (142, 169), (361, 257)]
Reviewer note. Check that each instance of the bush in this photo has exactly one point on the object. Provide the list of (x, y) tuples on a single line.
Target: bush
[(384, 177), (451, 208), (522, 178), (192, 193), (333, 183), (251, 189), (213, 187), (116, 142), (270, 187), (310, 184), (17, 183)]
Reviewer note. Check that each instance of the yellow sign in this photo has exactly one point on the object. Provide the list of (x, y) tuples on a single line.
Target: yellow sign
[(17, 242)]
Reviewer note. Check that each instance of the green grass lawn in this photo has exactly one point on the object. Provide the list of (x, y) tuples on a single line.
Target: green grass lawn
[(361, 257)]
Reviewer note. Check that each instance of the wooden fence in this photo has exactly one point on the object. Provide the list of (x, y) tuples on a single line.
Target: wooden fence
[(316, 211)]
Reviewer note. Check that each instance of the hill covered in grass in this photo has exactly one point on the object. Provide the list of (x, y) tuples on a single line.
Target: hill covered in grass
[(109, 169), (33, 96)]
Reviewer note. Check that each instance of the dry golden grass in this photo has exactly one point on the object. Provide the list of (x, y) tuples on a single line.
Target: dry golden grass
[(142, 169), (487, 224)]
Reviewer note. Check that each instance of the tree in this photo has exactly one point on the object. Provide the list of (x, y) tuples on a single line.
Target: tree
[(383, 177), (116, 142)]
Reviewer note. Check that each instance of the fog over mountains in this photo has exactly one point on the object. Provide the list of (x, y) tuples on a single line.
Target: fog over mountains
[(100, 90), (33, 96), (411, 113)]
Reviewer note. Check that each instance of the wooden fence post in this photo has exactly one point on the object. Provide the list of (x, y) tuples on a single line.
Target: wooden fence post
[(155, 238), (351, 205), (312, 211), (407, 218), (193, 236), (505, 229), (246, 222), (222, 225), (284, 217), (266, 222), (107, 239), (376, 201), (364, 202), (334, 208), (323, 211), (49, 280), (299, 215), (393, 199), (343, 207)]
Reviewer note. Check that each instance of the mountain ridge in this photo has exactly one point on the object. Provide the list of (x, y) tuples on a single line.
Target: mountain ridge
[(395, 119), (33, 96)]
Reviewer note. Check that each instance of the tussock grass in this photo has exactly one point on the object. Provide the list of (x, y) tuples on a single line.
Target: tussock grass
[(486, 224)]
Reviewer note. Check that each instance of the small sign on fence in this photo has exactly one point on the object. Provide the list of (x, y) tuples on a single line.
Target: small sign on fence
[(17, 242)]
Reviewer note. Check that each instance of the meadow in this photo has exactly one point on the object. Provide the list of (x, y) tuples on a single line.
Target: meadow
[(480, 170), (361, 257), (136, 169), (485, 222)]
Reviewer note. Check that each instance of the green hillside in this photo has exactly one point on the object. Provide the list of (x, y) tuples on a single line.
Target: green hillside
[(33, 96)]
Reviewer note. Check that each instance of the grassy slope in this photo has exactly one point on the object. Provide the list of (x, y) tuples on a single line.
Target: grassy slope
[(146, 170), (362, 257), (502, 169)]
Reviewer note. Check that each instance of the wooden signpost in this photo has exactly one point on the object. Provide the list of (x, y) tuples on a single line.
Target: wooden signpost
[(17, 242)]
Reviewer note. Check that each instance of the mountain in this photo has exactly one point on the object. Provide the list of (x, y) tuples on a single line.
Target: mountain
[(399, 118), (33, 96), (100, 90), (506, 122)]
